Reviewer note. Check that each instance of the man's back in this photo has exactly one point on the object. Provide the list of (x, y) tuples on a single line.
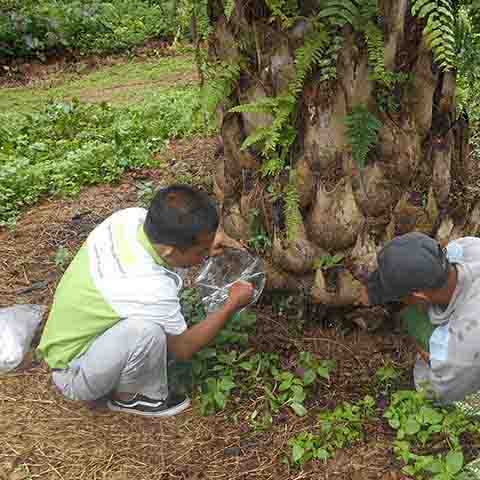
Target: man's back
[(115, 275), (455, 344)]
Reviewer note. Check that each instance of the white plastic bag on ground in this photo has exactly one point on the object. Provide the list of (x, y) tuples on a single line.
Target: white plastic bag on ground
[(17, 328)]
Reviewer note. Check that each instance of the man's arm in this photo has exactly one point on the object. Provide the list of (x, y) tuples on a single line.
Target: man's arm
[(193, 339), (454, 368)]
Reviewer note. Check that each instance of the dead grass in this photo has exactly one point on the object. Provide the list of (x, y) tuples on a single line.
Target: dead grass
[(50, 437)]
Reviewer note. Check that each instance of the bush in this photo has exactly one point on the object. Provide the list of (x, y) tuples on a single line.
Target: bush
[(68, 145), (90, 26)]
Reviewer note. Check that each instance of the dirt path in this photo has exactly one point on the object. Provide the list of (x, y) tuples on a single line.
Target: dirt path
[(116, 92), (117, 80)]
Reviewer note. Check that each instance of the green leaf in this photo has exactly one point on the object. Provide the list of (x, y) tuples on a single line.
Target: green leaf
[(220, 399), (324, 372), (430, 415), (298, 408), (322, 454), (298, 452), (427, 9), (442, 476), (419, 4), (454, 462), (309, 376), (226, 384), (248, 366), (435, 467), (285, 385), (412, 426), (298, 394), (338, 258), (335, 13)]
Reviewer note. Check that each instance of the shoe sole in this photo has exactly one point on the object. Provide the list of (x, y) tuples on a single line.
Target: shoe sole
[(166, 413)]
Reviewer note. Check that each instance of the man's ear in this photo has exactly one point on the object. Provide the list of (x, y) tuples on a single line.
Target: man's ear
[(165, 251)]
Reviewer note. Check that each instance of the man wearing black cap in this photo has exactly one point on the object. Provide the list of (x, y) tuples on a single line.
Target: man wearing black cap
[(442, 287)]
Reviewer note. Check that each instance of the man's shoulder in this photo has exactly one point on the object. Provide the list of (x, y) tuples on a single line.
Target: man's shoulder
[(466, 251), (129, 215)]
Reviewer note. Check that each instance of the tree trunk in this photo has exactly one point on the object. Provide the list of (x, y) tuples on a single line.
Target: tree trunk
[(416, 176)]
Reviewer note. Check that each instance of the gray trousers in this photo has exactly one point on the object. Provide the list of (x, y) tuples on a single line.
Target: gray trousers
[(130, 357)]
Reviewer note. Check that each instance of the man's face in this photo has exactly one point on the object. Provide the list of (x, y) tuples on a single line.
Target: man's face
[(194, 255)]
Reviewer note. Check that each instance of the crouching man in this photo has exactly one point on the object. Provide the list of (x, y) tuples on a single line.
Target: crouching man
[(116, 311), (442, 287)]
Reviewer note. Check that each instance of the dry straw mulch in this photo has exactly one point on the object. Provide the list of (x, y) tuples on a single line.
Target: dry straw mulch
[(44, 436)]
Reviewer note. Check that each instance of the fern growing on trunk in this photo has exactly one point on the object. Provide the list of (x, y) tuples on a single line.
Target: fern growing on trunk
[(438, 32)]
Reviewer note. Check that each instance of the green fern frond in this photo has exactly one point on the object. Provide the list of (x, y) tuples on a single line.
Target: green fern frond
[(221, 79), (263, 105), (368, 9), (355, 12), (307, 58), (260, 135), (293, 217), (285, 10), (376, 57), (362, 133), (285, 107), (340, 12), (228, 8), (273, 167), (439, 29)]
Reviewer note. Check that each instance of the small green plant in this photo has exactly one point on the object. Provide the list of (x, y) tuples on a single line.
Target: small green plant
[(62, 257), (259, 239), (326, 262), (67, 145), (274, 142), (290, 389), (228, 8), (337, 429), (362, 133), (215, 393), (216, 368), (387, 374), (145, 193), (418, 422), (284, 10)]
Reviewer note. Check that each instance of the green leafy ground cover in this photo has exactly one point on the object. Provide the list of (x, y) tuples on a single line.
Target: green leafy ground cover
[(35, 28), (52, 143)]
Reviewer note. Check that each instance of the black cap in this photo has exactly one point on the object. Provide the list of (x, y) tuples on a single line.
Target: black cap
[(408, 264)]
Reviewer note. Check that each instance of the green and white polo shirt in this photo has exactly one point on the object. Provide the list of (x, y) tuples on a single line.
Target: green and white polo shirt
[(116, 275)]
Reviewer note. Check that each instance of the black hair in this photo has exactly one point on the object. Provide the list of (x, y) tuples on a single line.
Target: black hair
[(178, 215)]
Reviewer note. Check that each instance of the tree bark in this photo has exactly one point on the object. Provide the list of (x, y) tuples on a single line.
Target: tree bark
[(417, 177)]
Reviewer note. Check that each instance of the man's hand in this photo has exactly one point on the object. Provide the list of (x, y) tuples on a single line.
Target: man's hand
[(423, 354), (241, 294), (192, 340), (222, 241)]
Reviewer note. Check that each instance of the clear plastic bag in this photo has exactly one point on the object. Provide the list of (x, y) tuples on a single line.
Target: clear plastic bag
[(220, 273), (18, 325)]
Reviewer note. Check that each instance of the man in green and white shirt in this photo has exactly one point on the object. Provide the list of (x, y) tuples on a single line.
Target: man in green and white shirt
[(116, 311)]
